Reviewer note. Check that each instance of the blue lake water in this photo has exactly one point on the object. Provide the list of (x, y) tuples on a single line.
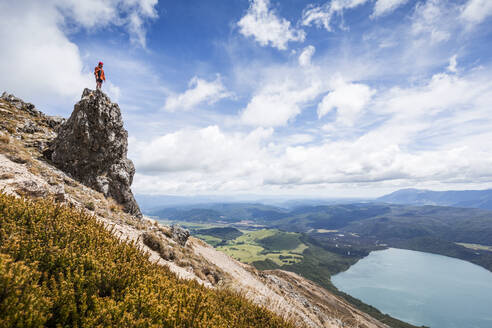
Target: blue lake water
[(422, 288)]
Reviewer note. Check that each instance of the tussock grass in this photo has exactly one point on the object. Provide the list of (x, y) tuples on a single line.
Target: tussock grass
[(59, 267), (4, 138)]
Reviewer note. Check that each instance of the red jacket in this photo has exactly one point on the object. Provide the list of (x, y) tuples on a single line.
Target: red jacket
[(99, 73)]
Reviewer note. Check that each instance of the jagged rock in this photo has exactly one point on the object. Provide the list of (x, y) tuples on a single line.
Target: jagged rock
[(20, 104), (54, 122), (179, 234), (30, 127), (92, 146)]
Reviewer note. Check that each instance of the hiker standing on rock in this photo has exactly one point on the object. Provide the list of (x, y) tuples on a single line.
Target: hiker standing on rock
[(99, 74)]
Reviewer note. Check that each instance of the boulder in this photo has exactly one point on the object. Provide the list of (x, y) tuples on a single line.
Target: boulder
[(179, 235), (92, 147)]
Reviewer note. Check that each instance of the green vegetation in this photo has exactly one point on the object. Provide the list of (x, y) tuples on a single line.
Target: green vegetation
[(438, 246), (281, 241), (214, 241), (476, 247), (281, 248), (219, 212), (60, 268), (225, 233)]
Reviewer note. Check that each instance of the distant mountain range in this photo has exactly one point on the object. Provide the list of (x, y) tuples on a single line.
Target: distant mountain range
[(462, 198)]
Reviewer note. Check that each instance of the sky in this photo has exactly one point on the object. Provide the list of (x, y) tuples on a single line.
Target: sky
[(336, 98)]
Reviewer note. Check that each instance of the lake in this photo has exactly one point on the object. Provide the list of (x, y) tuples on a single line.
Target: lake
[(422, 288)]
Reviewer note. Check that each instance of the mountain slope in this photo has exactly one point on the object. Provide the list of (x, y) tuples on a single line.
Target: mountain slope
[(459, 198), (26, 133), (79, 274)]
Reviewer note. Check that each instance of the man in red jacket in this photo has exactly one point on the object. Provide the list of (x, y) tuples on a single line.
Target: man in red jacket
[(99, 74)]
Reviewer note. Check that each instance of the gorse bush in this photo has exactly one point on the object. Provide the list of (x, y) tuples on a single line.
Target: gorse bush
[(60, 268)]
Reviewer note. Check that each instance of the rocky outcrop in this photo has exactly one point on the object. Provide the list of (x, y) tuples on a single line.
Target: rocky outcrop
[(92, 147), (179, 234), (29, 126)]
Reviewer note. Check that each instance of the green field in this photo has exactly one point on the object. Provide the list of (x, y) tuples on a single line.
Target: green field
[(282, 248), (211, 240), (476, 247)]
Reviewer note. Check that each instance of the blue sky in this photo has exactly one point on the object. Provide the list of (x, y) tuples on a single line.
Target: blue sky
[(306, 98)]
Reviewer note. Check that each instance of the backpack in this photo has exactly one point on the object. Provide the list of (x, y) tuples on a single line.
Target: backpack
[(97, 72)]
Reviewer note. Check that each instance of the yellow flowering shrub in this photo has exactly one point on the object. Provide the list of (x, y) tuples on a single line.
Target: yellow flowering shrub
[(59, 267)]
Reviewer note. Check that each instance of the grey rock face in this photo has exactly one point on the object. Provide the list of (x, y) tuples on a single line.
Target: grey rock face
[(179, 234), (92, 146)]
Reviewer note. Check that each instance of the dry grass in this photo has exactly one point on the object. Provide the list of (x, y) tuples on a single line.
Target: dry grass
[(156, 243), (114, 206), (90, 206), (34, 169), (19, 158), (4, 139), (6, 176), (165, 230)]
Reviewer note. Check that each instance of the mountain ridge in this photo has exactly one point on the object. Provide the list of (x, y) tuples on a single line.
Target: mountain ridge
[(455, 198)]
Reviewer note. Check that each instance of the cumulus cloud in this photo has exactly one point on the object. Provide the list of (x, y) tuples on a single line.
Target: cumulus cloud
[(200, 160), (39, 62), (263, 24), (205, 150), (349, 99), (199, 91), (37, 57), (321, 16), (476, 11), (384, 7), (130, 14), (434, 132), (278, 102), (306, 55)]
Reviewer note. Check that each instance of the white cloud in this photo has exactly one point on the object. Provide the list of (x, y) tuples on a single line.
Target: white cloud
[(452, 67), (199, 91), (39, 58), (205, 150), (436, 132), (476, 11), (113, 91), (384, 7), (261, 23), (306, 55), (349, 99), (131, 14), (40, 63), (430, 19), (200, 160), (321, 16), (279, 102)]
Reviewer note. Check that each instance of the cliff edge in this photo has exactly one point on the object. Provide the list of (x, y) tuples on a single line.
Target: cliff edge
[(92, 147)]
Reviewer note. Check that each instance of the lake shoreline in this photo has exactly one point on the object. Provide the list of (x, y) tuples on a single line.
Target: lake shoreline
[(373, 265)]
